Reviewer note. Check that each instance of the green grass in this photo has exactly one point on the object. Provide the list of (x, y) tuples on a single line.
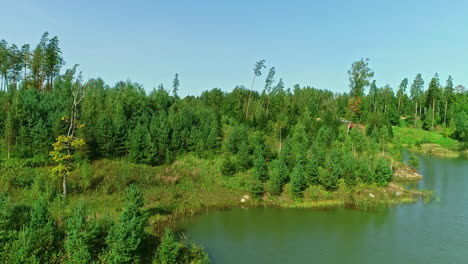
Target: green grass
[(415, 136), (171, 192)]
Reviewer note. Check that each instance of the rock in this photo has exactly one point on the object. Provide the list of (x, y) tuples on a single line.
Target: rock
[(371, 195), (246, 197), (406, 173), (243, 200), (398, 193)]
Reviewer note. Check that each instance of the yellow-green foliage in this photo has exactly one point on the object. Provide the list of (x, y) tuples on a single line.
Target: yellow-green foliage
[(416, 136), (62, 154)]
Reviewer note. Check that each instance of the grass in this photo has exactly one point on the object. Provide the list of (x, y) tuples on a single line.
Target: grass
[(173, 191), (416, 136)]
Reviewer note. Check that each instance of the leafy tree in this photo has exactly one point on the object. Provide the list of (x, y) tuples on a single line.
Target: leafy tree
[(62, 155), (359, 76)]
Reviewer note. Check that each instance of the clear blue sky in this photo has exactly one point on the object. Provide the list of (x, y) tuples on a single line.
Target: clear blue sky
[(215, 43)]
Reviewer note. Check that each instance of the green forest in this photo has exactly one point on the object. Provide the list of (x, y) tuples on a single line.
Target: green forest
[(93, 173)]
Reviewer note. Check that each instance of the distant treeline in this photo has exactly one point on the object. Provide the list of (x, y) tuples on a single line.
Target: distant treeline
[(125, 122)]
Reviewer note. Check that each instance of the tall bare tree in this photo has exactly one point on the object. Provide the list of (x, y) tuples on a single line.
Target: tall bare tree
[(259, 65)]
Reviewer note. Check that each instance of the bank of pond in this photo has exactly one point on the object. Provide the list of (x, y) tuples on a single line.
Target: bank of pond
[(113, 224), (432, 231)]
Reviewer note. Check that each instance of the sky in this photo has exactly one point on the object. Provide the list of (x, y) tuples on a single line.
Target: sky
[(214, 44)]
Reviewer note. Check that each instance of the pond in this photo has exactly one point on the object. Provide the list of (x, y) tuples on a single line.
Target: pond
[(435, 232)]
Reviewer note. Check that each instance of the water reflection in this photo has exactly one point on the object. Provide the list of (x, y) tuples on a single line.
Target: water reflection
[(436, 232)]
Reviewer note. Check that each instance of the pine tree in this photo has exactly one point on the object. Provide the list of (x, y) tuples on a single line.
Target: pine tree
[(37, 241), (243, 156), (278, 177), (228, 168), (168, 250), (78, 240), (416, 93), (259, 65), (125, 236), (298, 182), (401, 92), (383, 173), (256, 188), (260, 168)]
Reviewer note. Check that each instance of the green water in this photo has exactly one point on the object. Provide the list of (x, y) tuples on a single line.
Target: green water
[(436, 232)]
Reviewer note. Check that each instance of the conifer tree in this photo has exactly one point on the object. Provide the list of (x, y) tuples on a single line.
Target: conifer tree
[(260, 169), (78, 241), (298, 182), (168, 250), (277, 177), (125, 236)]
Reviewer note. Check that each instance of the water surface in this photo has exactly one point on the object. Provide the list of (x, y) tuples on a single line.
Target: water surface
[(436, 232)]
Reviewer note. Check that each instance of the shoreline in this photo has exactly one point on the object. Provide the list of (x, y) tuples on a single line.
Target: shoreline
[(437, 150), (378, 201)]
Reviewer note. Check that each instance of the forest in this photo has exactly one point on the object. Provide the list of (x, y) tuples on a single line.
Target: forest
[(65, 141)]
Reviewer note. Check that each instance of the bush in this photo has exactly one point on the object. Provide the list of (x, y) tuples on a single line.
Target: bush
[(228, 168), (413, 162), (194, 255), (315, 192)]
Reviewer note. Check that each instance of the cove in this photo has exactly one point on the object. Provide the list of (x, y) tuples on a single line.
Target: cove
[(435, 232)]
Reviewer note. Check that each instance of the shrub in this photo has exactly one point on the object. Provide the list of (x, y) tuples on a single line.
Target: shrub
[(413, 162), (228, 168)]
